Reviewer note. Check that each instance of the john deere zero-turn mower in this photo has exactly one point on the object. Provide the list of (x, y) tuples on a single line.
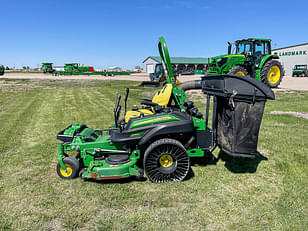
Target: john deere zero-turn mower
[(161, 136), (251, 57)]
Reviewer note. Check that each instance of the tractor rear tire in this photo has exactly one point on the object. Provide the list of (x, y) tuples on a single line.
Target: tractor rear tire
[(238, 70), (166, 160), (72, 166), (271, 73)]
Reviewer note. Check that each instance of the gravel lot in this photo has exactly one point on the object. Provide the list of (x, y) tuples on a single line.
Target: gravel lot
[(288, 83)]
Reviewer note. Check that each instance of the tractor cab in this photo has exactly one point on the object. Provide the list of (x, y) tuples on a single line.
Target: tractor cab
[(75, 65), (254, 48), (71, 67), (300, 67), (158, 75), (158, 78), (47, 68)]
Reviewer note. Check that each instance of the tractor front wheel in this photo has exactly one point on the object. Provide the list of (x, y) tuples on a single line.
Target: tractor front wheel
[(166, 160), (271, 73), (238, 70), (72, 167)]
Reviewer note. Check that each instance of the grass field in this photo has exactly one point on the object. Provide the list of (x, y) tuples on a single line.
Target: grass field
[(267, 194)]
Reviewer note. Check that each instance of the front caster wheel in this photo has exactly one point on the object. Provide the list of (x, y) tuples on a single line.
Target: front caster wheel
[(166, 160), (72, 167)]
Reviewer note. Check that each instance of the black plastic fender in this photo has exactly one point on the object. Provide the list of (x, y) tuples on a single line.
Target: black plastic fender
[(175, 127)]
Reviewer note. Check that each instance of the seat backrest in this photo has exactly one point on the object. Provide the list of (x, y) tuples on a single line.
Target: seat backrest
[(162, 97)]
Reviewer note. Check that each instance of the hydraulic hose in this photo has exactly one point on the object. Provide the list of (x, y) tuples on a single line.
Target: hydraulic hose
[(190, 85)]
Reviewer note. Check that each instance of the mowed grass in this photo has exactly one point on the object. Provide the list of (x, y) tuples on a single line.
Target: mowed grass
[(220, 195)]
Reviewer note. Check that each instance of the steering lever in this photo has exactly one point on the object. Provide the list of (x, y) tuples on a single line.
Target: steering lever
[(116, 110)]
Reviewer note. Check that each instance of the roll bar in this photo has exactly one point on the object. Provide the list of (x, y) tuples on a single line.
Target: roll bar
[(166, 61)]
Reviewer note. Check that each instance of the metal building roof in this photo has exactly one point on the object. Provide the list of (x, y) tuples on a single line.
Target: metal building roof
[(181, 60), (298, 45)]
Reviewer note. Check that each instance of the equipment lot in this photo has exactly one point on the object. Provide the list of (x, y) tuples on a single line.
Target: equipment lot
[(290, 83), (225, 195)]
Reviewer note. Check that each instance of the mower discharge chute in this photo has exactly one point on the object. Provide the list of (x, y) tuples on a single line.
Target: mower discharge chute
[(160, 137)]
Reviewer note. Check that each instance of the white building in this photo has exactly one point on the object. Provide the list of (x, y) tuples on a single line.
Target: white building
[(291, 56)]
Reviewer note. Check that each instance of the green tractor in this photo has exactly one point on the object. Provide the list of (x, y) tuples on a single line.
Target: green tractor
[(47, 68), (251, 57), (2, 70), (75, 67), (162, 136), (300, 71)]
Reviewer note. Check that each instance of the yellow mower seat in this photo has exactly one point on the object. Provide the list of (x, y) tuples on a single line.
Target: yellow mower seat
[(132, 114), (162, 98)]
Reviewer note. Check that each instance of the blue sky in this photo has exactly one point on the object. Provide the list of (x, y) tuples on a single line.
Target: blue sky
[(124, 32)]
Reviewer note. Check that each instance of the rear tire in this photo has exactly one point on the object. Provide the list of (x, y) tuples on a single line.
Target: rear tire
[(72, 166), (238, 70), (166, 160), (272, 73)]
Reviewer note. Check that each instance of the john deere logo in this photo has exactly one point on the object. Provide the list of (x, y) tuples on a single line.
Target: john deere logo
[(290, 53)]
